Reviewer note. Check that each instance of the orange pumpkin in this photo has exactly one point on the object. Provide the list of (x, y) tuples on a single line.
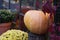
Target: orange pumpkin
[(24, 9), (36, 21)]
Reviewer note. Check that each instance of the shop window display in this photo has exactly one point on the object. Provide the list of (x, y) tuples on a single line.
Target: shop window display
[(26, 5)]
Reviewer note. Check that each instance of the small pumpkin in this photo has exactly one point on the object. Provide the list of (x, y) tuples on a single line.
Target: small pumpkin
[(24, 9), (36, 21)]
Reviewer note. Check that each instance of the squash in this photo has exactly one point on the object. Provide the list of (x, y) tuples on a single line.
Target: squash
[(36, 21)]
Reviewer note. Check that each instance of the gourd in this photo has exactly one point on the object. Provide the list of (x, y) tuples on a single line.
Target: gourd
[(14, 35), (36, 21)]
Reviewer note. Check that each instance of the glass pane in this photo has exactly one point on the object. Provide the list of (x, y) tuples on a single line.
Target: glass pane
[(28, 2), (1, 2), (14, 5), (6, 4)]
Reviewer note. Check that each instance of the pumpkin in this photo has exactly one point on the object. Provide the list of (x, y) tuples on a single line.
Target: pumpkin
[(24, 9), (36, 21)]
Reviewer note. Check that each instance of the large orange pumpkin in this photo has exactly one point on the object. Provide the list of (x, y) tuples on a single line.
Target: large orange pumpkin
[(36, 21)]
